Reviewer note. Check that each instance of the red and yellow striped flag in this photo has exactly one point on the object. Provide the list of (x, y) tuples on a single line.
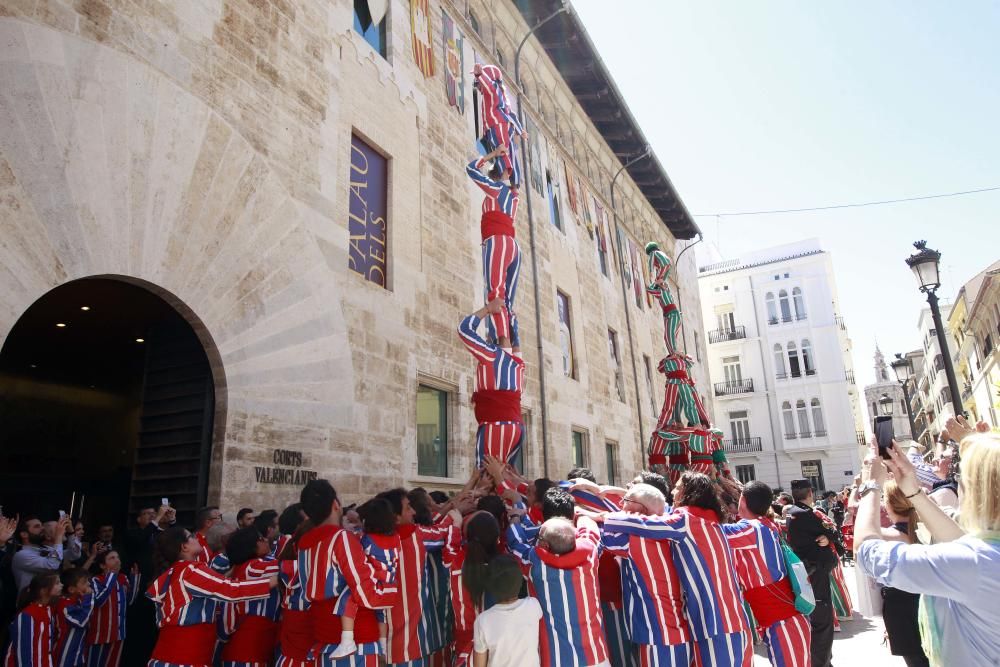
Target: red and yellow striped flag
[(420, 25)]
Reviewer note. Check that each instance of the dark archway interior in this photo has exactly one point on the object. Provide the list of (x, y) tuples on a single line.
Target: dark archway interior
[(83, 405)]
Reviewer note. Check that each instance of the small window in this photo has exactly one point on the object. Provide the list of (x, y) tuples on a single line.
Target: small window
[(745, 474), (807, 359), (566, 335), (799, 303), (739, 428), (786, 309), (789, 419), (793, 360), (786, 275), (372, 28), (779, 362), (819, 426), (474, 22), (800, 409), (611, 457), (579, 448), (772, 308), (432, 432)]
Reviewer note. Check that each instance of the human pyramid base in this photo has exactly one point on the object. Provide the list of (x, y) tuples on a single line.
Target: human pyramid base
[(507, 572)]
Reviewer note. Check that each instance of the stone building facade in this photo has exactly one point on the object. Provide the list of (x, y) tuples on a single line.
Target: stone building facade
[(202, 151)]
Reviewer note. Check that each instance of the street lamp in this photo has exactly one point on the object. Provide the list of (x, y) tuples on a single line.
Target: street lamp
[(564, 8), (924, 263), (904, 371), (885, 405)]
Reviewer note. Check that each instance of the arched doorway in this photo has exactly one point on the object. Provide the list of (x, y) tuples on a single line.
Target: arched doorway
[(107, 405)]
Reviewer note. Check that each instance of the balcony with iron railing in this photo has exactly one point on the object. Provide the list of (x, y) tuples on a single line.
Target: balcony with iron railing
[(795, 374), (743, 445), (839, 320), (860, 435), (734, 387), (723, 335), (966, 392), (819, 433), (849, 376)]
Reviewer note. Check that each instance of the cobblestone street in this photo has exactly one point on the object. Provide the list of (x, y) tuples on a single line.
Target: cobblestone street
[(859, 641)]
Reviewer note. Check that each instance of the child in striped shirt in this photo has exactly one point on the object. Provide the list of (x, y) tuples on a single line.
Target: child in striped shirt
[(381, 543)]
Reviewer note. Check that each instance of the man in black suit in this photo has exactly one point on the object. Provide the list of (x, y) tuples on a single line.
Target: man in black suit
[(810, 541)]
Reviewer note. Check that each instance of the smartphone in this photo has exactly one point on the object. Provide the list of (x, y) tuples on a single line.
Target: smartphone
[(883, 434), (165, 501), (62, 514)]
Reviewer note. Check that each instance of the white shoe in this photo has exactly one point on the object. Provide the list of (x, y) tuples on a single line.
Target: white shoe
[(344, 649)]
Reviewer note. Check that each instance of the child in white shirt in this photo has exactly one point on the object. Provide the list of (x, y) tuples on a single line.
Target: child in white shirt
[(506, 634)]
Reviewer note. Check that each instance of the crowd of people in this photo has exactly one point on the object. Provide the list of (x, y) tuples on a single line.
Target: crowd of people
[(510, 571)]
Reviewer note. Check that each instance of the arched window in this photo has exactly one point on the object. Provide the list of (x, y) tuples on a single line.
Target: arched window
[(807, 360), (786, 309), (779, 362), (800, 304), (772, 308), (793, 360), (818, 424), (800, 408), (789, 419), (474, 22)]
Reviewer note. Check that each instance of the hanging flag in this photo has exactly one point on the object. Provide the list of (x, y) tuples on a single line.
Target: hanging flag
[(536, 152), (607, 232), (420, 26), (626, 273), (454, 63), (637, 275), (570, 189)]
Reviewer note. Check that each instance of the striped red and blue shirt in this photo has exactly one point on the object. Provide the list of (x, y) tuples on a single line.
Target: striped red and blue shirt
[(496, 107), (189, 593), (410, 634), (107, 624), (567, 589), (652, 596), (704, 565), (269, 607), (757, 554), (31, 638), (71, 616), (499, 195), (497, 369)]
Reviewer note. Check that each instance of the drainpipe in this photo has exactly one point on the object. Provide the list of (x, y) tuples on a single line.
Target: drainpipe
[(526, 171), (767, 389), (628, 318)]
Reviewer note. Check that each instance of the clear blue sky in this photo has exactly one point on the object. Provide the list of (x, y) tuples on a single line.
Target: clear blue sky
[(781, 104)]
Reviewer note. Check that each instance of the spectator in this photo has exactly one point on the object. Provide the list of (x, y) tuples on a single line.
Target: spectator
[(582, 473), (899, 608), (563, 575), (468, 556), (295, 638), (245, 518), (558, 502), (205, 518), (106, 538), (506, 635), (810, 540), (266, 524), (187, 595), (655, 480), (959, 574), (41, 551)]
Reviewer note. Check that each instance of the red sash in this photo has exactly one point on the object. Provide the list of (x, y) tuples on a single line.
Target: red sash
[(296, 634), (670, 307), (677, 375), (495, 405), (253, 641), (326, 624), (657, 459), (496, 223), (772, 603), (186, 644)]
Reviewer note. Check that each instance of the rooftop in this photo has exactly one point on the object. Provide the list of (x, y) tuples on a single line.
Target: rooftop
[(569, 47), (755, 258)]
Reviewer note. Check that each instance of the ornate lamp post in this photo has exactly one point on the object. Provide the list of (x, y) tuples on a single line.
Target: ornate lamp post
[(924, 263), (904, 371)]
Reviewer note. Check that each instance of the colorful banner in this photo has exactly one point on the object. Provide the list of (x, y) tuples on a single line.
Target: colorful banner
[(454, 63), (420, 26), (570, 190), (637, 274), (367, 226), (536, 152)]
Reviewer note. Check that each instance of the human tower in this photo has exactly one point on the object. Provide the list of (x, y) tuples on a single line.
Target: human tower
[(683, 439)]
